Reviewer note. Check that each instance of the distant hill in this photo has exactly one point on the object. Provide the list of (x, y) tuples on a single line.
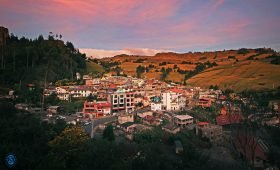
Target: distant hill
[(236, 69)]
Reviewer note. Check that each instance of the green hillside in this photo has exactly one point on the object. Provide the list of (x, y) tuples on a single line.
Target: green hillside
[(34, 61), (93, 68)]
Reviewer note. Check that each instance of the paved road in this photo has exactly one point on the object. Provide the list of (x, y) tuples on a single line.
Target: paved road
[(96, 122)]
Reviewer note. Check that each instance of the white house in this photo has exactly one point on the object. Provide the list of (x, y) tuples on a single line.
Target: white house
[(156, 106), (173, 99)]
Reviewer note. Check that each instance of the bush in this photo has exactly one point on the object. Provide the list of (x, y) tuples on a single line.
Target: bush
[(242, 51), (231, 57)]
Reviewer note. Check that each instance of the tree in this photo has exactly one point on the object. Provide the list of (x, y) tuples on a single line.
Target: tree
[(139, 70), (91, 97), (108, 133), (52, 99), (66, 148), (23, 134), (40, 38), (245, 141), (139, 104), (242, 51), (231, 57), (70, 46)]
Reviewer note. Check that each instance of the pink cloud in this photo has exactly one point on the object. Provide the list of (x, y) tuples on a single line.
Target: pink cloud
[(218, 3)]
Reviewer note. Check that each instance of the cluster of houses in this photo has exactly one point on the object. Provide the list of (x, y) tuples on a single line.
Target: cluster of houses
[(123, 94), (142, 104)]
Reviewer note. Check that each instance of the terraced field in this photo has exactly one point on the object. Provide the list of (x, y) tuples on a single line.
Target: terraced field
[(244, 75), (235, 70)]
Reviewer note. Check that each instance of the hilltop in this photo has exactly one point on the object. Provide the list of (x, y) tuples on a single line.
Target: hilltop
[(38, 60), (229, 69)]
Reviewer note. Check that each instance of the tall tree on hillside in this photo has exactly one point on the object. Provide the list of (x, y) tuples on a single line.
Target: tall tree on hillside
[(109, 133)]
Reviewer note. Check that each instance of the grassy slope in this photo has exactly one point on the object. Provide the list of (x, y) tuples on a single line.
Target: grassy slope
[(247, 74), (93, 67), (244, 74)]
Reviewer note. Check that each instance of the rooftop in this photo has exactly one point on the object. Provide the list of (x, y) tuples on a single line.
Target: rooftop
[(182, 117)]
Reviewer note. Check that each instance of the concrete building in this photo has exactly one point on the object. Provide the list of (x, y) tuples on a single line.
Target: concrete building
[(96, 109), (174, 99), (122, 101), (125, 118), (210, 131), (156, 106), (171, 128), (81, 91), (182, 120), (62, 92), (204, 102)]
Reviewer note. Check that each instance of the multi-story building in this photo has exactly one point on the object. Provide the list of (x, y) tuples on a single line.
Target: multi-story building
[(155, 106), (182, 120), (204, 102), (62, 92), (81, 91), (96, 109), (122, 101), (173, 99)]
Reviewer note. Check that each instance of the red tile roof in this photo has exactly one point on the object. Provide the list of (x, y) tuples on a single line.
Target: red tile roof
[(202, 123), (228, 119), (176, 90)]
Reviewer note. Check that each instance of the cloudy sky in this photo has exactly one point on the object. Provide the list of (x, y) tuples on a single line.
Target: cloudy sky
[(109, 27)]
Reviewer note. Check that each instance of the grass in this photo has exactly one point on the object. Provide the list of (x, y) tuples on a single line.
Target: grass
[(248, 74), (155, 75), (229, 74), (93, 67), (175, 77)]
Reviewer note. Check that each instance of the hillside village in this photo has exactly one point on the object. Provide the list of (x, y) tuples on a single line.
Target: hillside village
[(134, 105), (204, 101)]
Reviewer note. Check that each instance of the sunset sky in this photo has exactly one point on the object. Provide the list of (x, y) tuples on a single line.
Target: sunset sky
[(106, 27)]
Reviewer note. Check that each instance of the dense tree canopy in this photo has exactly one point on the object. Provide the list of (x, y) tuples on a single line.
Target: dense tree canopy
[(38, 60)]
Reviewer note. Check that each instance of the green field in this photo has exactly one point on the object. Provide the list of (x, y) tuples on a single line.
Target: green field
[(93, 67)]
